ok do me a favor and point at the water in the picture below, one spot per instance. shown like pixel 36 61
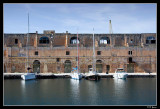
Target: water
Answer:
pixel 107 91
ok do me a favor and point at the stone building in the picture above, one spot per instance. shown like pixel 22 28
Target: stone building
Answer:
pixel 57 52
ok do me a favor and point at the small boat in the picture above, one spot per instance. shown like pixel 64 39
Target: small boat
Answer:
pixel 28 76
pixel 75 74
pixel 120 74
pixel 92 75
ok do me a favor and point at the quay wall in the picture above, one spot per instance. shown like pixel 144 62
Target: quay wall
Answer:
pixel 52 75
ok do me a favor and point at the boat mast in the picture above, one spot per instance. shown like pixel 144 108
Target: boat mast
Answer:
pixel 94 57
pixel 77 54
pixel 27 45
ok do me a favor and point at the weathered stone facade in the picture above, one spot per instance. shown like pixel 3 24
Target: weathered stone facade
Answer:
pixel 47 52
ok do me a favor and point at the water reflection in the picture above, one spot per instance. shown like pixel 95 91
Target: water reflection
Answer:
pixel 120 91
pixel 93 92
pixel 25 87
pixel 24 83
pixel 75 93
pixel 132 91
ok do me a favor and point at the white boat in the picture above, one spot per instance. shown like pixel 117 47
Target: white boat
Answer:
pixel 28 76
pixel 76 75
pixel 75 72
pixel 120 74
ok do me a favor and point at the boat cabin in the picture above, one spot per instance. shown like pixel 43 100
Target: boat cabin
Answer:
pixel 119 70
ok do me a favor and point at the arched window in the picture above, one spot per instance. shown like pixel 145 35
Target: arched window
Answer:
pixel 44 40
pixel 73 40
pixel 150 40
pixel 104 40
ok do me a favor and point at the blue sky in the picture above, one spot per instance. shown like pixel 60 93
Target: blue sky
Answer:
pixel 126 18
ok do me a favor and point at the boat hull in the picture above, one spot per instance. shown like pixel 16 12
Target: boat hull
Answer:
pixel 120 75
pixel 93 77
pixel 76 76
pixel 28 76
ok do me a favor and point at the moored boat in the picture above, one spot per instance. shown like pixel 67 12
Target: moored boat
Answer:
pixel 76 75
pixel 120 74
pixel 92 75
pixel 28 76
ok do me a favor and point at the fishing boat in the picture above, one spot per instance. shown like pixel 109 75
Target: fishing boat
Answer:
pixel 75 72
pixel 120 74
pixel 28 75
pixel 92 74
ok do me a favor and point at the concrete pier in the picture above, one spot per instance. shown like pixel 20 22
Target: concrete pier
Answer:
pixel 67 75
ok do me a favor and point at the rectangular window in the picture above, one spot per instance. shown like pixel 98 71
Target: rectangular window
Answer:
pixel 98 52
pixel 58 59
pixel 16 41
pixel 36 52
pixel 67 52
pixel 130 52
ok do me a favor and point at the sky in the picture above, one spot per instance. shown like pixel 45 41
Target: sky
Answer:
pixel 81 18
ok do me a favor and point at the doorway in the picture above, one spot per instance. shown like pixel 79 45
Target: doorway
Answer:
pixel 36 66
pixel 130 68
pixel 107 69
pixel 67 66
pixel 99 66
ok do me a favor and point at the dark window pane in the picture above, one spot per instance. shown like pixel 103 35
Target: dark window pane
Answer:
pixel 98 52
pixel 44 40
pixel 67 52
pixel 153 41
pixel 58 59
pixel 16 41
pixel 36 52
pixel 147 41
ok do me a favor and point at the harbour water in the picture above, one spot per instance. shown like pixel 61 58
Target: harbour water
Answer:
pixel 107 91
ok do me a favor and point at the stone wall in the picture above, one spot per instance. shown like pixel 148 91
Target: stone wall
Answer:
pixel 115 54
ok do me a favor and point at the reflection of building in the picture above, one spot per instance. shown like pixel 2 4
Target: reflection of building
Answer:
pixel 56 52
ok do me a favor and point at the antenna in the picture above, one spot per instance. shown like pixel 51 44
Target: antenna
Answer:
pixel 110 27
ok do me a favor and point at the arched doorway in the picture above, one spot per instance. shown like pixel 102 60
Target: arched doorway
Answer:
pixel 99 66
pixel 36 66
pixel 67 66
